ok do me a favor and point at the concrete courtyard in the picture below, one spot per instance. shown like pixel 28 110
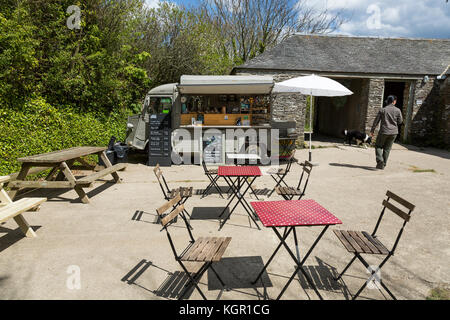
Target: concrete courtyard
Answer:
pixel 116 251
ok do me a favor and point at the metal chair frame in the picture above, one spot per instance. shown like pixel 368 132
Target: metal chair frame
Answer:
pixel 213 178
pixel 166 192
pixel 373 239
pixel 279 177
pixel 307 168
pixel 166 220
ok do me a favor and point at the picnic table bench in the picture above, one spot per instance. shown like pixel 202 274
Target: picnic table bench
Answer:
pixel 14 210
pixel 61 164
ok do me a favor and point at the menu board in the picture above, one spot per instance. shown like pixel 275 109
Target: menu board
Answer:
pixel 159 143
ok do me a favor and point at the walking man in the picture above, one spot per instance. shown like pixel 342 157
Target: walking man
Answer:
pixel 391 118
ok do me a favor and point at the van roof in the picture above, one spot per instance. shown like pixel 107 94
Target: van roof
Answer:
pixel 242 84
pixel 165 89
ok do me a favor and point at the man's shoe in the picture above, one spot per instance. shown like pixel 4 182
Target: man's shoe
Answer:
pixel 380 166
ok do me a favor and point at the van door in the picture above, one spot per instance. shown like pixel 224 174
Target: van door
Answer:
pixel 137 133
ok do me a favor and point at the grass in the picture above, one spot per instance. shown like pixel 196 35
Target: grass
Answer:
pixel 439 294
pixel 424 170
pixel 419 170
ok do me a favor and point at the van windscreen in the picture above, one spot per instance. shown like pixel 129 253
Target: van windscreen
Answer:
pixel 160 105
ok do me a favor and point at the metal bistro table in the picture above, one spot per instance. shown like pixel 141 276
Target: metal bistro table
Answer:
pixel 289 214
pixel 241 174
pixel 243 157
pixel 61 164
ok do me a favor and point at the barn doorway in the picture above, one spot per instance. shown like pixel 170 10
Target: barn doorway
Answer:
pixel 335 114
pixel 396 88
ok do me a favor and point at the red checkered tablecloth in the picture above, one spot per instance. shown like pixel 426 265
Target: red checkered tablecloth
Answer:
pixel 286 213
pixel 239 171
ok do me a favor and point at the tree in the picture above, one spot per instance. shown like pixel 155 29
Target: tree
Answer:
pixel 181 41
pixel 18 60
pixel 94 68
pixel 252 26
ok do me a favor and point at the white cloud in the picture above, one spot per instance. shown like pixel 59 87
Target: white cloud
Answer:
pixel 402 18
pixel 152 3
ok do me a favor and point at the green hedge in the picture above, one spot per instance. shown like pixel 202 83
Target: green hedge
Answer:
pixel 39 127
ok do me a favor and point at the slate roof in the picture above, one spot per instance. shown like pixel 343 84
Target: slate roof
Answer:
pixel 354 55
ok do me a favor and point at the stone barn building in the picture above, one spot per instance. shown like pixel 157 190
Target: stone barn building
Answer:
pixel 415 70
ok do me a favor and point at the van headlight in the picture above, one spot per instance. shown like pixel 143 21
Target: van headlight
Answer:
pixel 130 126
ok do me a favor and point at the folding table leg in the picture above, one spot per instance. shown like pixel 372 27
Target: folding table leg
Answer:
pixel 253 191
pixel 296 245
pixel 216 185
pixel 235 189
pixel 205 192
pixel 300 264
pixel 213 183
pixel 241 200
pixel 232 189
pixel 249 209
pixel 285 235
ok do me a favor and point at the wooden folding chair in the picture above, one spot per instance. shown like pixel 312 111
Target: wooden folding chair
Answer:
pixel 361 242
pixel 213 176
pixel 279 174
pixel 289 193
pixel 206 250
pixel 184 192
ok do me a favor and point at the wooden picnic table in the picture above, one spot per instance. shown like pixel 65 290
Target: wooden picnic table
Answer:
pixel 61 164
pixel 14 209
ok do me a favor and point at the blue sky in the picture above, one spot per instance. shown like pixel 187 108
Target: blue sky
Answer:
pixel 385 18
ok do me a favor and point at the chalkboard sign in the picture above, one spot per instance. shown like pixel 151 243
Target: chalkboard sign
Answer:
pixel 159 143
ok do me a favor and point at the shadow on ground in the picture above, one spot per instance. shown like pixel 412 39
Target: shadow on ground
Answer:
pixel 237 273
pixel 323 277
pixel 55 195
pixel 346 165
pixel 209 213
pixel 12 236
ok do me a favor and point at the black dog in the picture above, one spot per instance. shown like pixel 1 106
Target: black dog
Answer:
pixel 359 137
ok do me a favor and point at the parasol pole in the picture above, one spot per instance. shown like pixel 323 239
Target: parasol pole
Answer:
pixel 310 125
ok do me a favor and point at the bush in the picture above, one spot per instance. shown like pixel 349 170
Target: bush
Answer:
pixel 39 127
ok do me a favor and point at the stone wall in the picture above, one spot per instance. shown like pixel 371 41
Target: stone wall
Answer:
pixel 444 126
pixel 424 114
pixel 375 92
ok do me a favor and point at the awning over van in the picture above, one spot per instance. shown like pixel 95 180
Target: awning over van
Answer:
pixel 225 85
